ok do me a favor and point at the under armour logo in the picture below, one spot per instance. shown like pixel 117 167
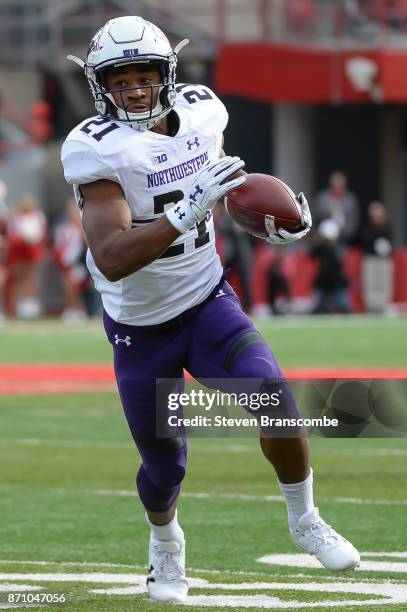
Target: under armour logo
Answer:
pixel 192 196
pixel 180 214
pixel 191 143
pixel 126 340
pixel 220 293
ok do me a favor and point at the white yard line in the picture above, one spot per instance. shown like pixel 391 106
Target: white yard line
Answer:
pixel 310 563
pixel 136 566
pixel 226 496
pixel 257 498
pixel 307 561
pixel 66 443
pixel 237 448
pixel 134 584
pixel 195 443
pixel 379 593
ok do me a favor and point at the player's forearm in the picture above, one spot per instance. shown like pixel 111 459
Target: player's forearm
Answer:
pixel 131 250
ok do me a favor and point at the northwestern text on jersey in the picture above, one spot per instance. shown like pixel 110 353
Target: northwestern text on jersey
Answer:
pixel 178 172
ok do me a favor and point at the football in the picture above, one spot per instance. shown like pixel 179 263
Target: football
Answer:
pixel 263 195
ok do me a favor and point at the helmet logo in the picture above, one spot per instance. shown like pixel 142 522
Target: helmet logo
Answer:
pixel 130 52
pixel 95 42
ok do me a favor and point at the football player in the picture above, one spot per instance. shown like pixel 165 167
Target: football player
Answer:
pixel 147 171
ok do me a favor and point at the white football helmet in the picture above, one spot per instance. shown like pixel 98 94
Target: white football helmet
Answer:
pixel 128 40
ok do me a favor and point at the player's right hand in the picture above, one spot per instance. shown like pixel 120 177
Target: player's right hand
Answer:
pixel 283 236
pixel 210 184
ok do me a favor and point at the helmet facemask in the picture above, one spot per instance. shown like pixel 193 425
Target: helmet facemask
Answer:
pixel 161 102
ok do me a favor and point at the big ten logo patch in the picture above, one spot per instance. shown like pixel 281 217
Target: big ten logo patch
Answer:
pixel 159 159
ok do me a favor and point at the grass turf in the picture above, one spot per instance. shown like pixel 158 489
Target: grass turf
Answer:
pixel 65 458
pixel 298 341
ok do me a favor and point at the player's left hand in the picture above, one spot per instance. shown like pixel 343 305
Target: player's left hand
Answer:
pixel 282 236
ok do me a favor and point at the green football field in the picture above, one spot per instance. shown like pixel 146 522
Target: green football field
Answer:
pixel 72 525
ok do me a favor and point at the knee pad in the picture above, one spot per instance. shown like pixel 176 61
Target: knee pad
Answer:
pixel 149 443
pixel 251 357
pixel 251 361
pixel 251 338
pixel 164 460
pixel 153 498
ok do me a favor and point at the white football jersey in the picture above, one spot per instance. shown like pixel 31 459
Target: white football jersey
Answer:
pixel 155 172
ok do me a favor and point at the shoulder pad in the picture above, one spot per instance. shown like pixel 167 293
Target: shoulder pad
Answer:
pixel 201 102
pixel 82 163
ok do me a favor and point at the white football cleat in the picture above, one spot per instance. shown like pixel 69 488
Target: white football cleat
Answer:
pixel 317 538
pixel 166 580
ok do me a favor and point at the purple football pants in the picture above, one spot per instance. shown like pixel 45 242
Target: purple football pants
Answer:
pixel 214 340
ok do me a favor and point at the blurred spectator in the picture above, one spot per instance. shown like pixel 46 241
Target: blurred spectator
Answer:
pixel 275 19
pixel 340 205
pixel 26 235
pixel 278 288
pixel 300 15
pixel 34 127
pixel 3 239
pixel 237 252
pixel 375 236
pixel 360 18
pixel 330 283
pixel 3 142
pixel 377 268
pixel 39 127
pixel 397 14
pixel 69 253
pixel 55 98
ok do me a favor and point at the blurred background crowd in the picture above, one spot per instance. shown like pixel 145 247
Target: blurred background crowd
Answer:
pixel 316 91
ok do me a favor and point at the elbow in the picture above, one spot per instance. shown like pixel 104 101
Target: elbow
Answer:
pixel 110 269
pixel 108 261
pixel 115 263
pixel 115 271
pixel 112 276
pixel 112 273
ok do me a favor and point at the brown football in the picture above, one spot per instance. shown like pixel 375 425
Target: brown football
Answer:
pixel 263 195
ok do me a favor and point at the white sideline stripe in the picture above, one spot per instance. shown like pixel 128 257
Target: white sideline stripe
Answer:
pixel 143 567
pixel 10 588
pixel 237 448
pixel 68 443
pixel 263 601
pixel 213 571
pixel 227 496
pixel 138 580
pixel 18 606
pixel 369 502
pixel 307 561
pixel 397 555
pixel 389 451
pixel 228 447
pixel 255 498
pixel 100 577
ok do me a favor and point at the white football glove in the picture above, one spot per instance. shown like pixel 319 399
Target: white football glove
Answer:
pixel 282 236
pixel 210 184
